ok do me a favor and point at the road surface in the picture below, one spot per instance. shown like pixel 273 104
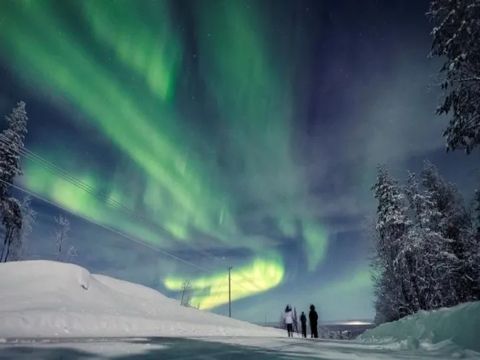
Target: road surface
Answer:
pixel 217 348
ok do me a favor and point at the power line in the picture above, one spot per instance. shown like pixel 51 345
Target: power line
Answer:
pixel 118 232
pixel 69 178
pixel 53 168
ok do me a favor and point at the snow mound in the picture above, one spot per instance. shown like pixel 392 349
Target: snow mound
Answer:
pixel 53 299
pixel 459 325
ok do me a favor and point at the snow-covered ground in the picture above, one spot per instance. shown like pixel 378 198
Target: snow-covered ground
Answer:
pixel 52 299
pixel 51 310
pixel 458 325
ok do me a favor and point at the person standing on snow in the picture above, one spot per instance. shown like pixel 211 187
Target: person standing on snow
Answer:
pixel 288 316
pixel 303 320
pixel 313 317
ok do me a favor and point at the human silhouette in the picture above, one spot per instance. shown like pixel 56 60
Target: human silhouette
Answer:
pixel 303 321
pixel 289 320
pixel 313 317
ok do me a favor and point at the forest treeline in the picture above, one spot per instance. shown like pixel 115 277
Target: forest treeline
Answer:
pixel 427 245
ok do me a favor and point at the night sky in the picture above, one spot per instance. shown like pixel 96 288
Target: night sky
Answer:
pixel 196 135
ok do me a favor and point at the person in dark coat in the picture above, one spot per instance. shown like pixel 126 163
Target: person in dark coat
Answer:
pixel 313 317
pixel 303 320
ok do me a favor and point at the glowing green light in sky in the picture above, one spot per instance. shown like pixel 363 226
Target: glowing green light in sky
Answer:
pixel 148 137
pixel 121 66
pixel 211 291
pixel 73 198
pixel 153 55
pixel 316 244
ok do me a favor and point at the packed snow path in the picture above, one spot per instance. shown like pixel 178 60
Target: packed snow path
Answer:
pixel 219 348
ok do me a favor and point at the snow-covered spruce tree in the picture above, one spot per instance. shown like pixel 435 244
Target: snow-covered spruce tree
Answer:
pixel 429 250
pixel 72 253
pixel 392 288
pixel 19 248
pixel 186 296
pixel 455 39
pixel 455 227
pixel 476 240
pixel 61 235
pixel 11 144
pixel 12 221
pixel 476 213
pixel 414 248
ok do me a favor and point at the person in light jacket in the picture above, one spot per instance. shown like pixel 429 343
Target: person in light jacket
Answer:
pixel 288 316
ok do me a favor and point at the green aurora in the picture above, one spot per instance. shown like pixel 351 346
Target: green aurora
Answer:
pixel 211 291
pixel 185 137
pixel 123 66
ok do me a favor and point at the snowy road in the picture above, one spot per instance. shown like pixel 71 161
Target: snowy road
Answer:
pixel 218 348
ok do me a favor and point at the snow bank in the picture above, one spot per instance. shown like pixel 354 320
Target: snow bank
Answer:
pixel 52 299
pixel 459 325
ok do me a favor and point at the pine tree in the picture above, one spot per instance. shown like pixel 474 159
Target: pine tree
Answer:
pixel 19 248
pixel 477 213
pixel 476 243
pixel 11 145
pixel 427 249
pixel 61 235
pixel 455 227
pixel 72 253
pixel 432 259
pixel 414 248
pixel 455 38
pixel 186 296
pixel 12 220
pixel 393 294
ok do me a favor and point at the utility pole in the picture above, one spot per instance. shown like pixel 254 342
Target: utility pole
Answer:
pixel 229 291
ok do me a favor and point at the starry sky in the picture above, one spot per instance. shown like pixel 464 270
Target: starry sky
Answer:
pixel 184 137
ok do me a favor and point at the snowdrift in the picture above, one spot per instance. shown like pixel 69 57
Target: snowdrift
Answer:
pixel 459 325
pixel 53 299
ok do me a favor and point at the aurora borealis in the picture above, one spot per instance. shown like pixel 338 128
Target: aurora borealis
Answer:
pixel 226 133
